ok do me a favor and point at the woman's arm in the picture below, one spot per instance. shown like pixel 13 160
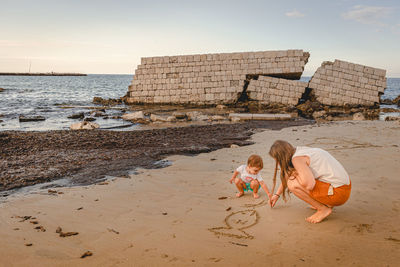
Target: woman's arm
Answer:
pixel 304 175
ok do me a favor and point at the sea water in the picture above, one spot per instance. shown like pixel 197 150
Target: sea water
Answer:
pixel 47 96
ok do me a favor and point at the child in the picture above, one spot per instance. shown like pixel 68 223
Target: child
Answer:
pixel 250 179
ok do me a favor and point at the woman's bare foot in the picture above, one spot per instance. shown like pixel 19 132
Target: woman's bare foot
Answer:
pixel 239 194
pixel 319 215
pixel 255 195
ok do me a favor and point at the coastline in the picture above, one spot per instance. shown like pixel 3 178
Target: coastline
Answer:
pixel 174 216
pixel 40 74
pixel 85 157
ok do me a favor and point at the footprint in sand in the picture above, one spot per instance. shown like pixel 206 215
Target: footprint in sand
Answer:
pixel 259 204
pixel 363 227
pixel 236 222
pixel 215 259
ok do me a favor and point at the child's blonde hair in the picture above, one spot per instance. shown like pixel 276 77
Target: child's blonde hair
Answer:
pixel 255 161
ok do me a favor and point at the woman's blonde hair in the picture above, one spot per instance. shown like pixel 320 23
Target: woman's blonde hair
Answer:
pixel 282 152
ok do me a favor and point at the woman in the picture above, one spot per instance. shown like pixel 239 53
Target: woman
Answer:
pixel 313 175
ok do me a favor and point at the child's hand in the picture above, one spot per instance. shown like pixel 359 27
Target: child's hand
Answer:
pixel 231 180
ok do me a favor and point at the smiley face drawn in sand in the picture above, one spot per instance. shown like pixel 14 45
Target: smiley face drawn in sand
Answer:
pixel 236 222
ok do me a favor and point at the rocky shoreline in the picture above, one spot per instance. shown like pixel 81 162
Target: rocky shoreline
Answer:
pixel 84 157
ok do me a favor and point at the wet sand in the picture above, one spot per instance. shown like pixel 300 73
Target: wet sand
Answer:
pixel 84 157
pixel 187 215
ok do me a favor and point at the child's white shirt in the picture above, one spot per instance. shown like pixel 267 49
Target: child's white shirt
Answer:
pixel 247 177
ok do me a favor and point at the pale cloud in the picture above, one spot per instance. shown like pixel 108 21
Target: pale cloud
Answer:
pixel 58 43
pixel 396 28
pixel 14 43
pixel 294 14
pixel 372 15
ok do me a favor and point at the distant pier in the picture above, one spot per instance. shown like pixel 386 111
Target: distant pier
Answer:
pixel 40 74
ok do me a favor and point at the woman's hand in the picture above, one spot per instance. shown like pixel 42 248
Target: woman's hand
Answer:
pixel 273 200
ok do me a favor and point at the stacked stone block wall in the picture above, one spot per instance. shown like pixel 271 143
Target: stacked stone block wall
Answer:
pixel 270 90
pixel 208 78
pixel 338 83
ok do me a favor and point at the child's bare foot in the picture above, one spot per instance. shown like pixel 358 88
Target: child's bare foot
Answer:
pixel 319 215
pixel 239 194
pixel 312 207
pixel 255 195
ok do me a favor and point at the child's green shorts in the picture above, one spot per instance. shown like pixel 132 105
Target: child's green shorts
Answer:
pixel 249 188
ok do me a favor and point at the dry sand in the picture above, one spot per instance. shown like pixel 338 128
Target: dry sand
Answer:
pixel 173 216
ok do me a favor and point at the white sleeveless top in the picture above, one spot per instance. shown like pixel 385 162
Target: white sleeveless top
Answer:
pixel 324 166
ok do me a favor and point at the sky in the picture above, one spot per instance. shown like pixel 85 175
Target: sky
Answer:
pixel 110 37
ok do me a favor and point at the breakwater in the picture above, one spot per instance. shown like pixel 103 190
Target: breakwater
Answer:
pixel 40 74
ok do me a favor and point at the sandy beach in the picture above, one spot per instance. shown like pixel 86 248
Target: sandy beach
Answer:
pixel 187 214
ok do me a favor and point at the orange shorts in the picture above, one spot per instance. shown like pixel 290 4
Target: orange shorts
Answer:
pixel 340 194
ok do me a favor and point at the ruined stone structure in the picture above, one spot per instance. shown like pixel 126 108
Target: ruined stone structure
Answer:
pixel 270 90
pixel 338 83
pixel 267 76
pixel 209 78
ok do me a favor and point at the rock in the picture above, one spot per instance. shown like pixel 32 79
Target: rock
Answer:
pixel 62 234
pixel 31 118
pixel 235 119
pixel 154 117
pixel 40 228
pixel 79 115
pixel 358 117
pixel 89 119
pixel 329 118
pixel 171 119
pixel 86 254
pixel 308 108
pixel 386 101
pixel 84 125
pixel 217 118
pixel 392 118
pixel 192 115
pixel 221 107
pixel 203 118
pixel 98 113
pixel 107 102
pixel 386 110
pixel 135 116
pixel 319 114
pixel 397 101
pixel 197 116
pixel 179 115
pixel 234 146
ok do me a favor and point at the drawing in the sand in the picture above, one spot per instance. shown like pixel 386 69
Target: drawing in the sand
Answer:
pixel 236 223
